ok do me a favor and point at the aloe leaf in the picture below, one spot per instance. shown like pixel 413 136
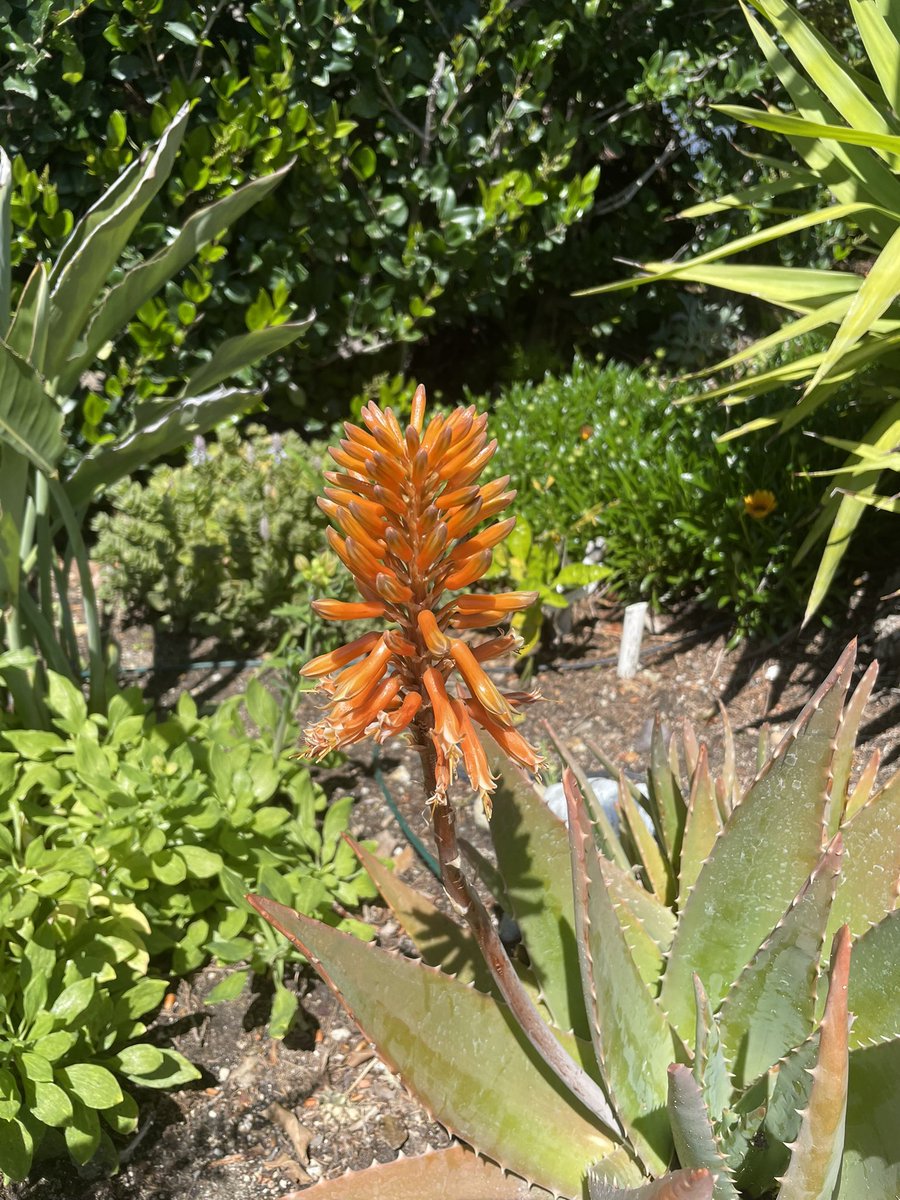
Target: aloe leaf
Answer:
pixel 121 302
pixel 868 889
pixel 846 745
pixel 771 1006
pixel 532 849
pixel 606 836
pixel 732 909
pixel 789 1083
pixel 438 938
pixel 862 790
pixel 666 801
pixel 457 1050
pixel 728 797
pixel 632 1039
pixel 695 1141
pixel 30 422
pixel 656 870
pixel 677 1185
pixel 648 956
pixel 161 429
pixel 871 1165
pixel 648 911
pixel 816 1153
pixel 85 261
pixel 701 829
pixel 875 984
pixel 486 873
pixel 455 1172
pixel 710 1069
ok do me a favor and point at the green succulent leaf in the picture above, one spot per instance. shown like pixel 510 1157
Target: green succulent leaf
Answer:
pixel 678 1185
pixel 486 1086
pixel 731 910
pixel 701 829
pixel 871 1163
pixel 695 1140
pixel 875 983
pixel 665 799
pixel 710 1068
pixel 657 870
pixel 846 745
pixel 868 888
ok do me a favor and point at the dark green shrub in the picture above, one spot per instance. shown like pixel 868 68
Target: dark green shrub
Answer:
pixel 604 453
pixel 218 544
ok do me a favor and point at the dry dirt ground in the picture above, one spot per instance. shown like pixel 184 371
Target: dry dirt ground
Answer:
pixel 269 1118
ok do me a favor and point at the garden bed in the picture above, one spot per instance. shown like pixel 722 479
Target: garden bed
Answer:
pixel 268 1117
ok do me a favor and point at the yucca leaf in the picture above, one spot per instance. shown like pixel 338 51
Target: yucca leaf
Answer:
pixel 695 1141
pixel 30 421
pixel 771 1006
pixel 754 196
pixel 455 1172
pixel 701 830
pixel 656 869
pixel 441 941
pixel 730 909
pixel 816 1153
pixel 632 1039
pixel 881 47
pixel 875 983
pixel 710 1069
pixel 532 849
pixel 871 1163
pixel 457 1050
pixel 796 127
pixel 678 1185
pixel 869 887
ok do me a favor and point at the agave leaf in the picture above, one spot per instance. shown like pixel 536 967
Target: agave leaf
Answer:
pixel 728 798
pixel 710 1068
pixel 846 745
pixel 647 955
pixel 771 1006
pixel 871 1165
pixel 816 1153
pixel 862 791
pixel 789 1083
pixel 665 799
pixel 869 887
pixel 731 909
pixel 678 1185
pixel 650 913
pixel 695 1141
pixel 456 1173
pixel 606 836
pixel 875 983
pixel 631 1037
pixel 656 869
pixel 440 940
pixel 702 827
pixel 456 1049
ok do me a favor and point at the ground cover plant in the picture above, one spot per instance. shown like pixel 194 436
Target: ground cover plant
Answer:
pixel 840 118
pixel 677 1026
pixel 127 846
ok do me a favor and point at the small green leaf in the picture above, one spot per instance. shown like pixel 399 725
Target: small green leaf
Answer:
pixel 93 1085
pixel 228 988
pixel 10 1097
pixel 74 1000
pixel 49 1103
pixel 16 1149
pixel 83 1133
pixel 284 1008
pixel 200 862
pixel 139 1059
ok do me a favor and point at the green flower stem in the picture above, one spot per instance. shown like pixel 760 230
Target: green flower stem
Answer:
pixel 467 903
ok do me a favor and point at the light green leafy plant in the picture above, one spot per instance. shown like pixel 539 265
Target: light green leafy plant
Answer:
pixel 841 120
pixel 68 314
pixel 685 973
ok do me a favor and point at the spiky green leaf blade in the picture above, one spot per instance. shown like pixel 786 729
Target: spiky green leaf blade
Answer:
pixel 606 836
pixel 869 887
pixel 701 828
pixel 677 1185
pixel 657 871
pixel 532 849
pixel 695 1140
pixel 440 940
pixel 798 128
pixel 733 908
pixel 816 1153
pixel 6 189
pixel 788 1086
pixel 710 1069
pixel 648 911
pixel 632 1039
pixel 771 1006
pixel 862 790
pixel 750 197
pixel 871 1165
pixel 29 328
pixel 875 984
pixel 30 421
pixel 666 801
pixel 455 1172
pixel 455 1048
pixel 846 745
pixel 648 957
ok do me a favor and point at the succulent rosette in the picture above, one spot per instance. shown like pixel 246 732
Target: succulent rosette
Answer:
pixel 412 524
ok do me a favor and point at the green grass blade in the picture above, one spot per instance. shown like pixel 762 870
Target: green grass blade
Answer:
pixel 457 1050
pixel 777 828
pixel 875 983
pixel 695 1141
pixel 816 1153
pixel 703 826
pixel 772 1005
pixel 632 1039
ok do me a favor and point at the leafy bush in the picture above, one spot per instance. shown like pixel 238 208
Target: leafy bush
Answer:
pixel 218 544
pixel 127 845
pixel 603 452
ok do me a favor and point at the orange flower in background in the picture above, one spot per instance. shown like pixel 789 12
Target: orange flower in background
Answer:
pixel 406 511
pixel 760 504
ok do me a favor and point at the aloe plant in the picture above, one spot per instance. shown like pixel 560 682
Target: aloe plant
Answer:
pixel 701 976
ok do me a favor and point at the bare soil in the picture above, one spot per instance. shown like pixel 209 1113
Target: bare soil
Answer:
pixel 270 1118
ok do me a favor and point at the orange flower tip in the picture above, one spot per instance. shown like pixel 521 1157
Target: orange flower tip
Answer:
pixel 342 610
pixel 398 644
pixel 390 587
pixel 436 642
pixel 470 570
pixel 417 412
pixel 504 602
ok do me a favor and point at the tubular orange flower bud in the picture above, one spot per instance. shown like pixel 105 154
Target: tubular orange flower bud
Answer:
pixel 436 642
pixel 390 587
pixel 480 685
pixel 474 757
pixel 497 647
pixel 445 722
pixel 395 722
pixel 458 498
pixel 463 519
pixel 333 661
pixel 505 602
pixel 360 678
pixel 508 739
pixel 398 644
pixel 482 541
pixel 483 620
pixel 473 568
pixel 342 610
pixel 417 411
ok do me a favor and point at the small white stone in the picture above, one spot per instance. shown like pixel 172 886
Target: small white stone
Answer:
pixel 224 1072
pixel 340 1034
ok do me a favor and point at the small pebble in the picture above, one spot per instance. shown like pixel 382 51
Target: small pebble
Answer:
pixel 340 1034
